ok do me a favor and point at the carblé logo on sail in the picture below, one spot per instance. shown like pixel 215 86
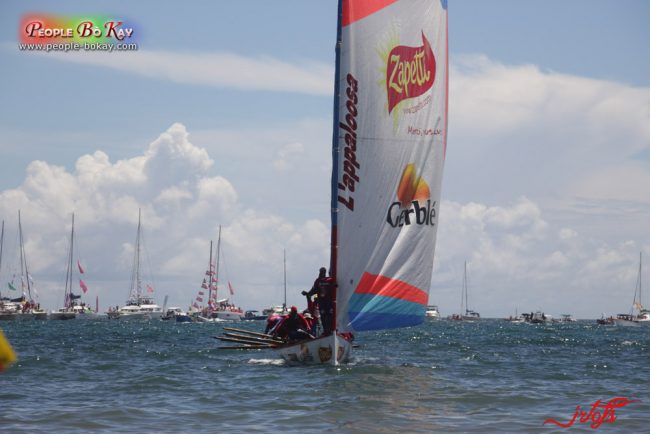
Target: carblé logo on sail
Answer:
pixel 410 72
pixel 412 192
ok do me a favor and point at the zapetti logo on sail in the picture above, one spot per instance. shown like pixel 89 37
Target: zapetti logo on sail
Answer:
pixel 411 208
pixel 410 72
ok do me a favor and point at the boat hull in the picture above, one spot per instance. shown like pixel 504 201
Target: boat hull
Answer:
pixel 137 316
pixel 62 315
pixel 317 351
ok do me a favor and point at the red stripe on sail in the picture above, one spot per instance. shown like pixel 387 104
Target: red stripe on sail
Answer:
pixel 355 10
pixel 386 287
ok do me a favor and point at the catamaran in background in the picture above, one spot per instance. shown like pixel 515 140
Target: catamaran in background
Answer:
pixel 140 304
pixel 73 307
pixel 25 306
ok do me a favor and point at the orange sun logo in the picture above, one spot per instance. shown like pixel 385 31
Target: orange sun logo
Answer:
pixel 412 187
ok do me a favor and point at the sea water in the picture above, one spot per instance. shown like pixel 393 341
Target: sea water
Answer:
pixel 490 376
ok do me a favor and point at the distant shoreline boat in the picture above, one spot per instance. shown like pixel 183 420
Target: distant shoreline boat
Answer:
pixel 468 315
pixel 23 307
pixel 216 310
pixel 72 309
pixel 432 311
pixel 643 315
pixel 139 304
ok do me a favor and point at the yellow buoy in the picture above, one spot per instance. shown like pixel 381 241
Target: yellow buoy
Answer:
pixel 7 355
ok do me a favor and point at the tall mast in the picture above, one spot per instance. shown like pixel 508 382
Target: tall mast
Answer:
pixel 135 291
pixel 216 288
pixel 465 286
pixel 284 305
pixel 335 161
pixel 68 277
pixel 137 262
pixel 210 273
pixel 638 303
pixel 24 271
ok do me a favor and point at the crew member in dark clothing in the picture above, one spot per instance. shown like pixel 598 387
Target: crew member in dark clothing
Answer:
pixel 293 326
pixel 324 288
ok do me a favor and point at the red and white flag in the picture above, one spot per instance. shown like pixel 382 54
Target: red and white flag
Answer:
pixel 81 269
pixel 83 286
pixel 149 288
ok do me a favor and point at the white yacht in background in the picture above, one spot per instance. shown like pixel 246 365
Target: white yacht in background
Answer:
pixel 432 312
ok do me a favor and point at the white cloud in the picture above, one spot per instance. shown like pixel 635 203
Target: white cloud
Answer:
pixel 183 204
pixel 223 70
pixel 287 155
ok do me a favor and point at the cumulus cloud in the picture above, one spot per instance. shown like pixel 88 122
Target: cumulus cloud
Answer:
pixel 183 205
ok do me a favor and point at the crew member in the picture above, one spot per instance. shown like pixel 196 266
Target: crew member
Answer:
pixel 293 326
pixel 324 288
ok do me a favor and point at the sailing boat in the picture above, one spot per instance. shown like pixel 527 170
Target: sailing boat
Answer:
pixel 389 141
pixel 25 306
pixel 468 315
pixel 72 308
pixel 7 306
pixel 218 309
pixel 643 316
pixel 277 309
pixel 198 310
pixel 140 304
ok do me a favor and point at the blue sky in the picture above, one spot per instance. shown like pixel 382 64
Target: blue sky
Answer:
pixel 545 190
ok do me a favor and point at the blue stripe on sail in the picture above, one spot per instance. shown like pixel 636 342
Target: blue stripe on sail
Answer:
pixel 371 312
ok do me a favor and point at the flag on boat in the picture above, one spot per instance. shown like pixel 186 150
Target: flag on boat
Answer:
pixel 204 285
pixel 149 288
pixel 83 286
pixel 232 291
pixel 389 147
pixel 11 286
pixel 199 299
pixel 81 269
pixel 201 293
pixel 195 304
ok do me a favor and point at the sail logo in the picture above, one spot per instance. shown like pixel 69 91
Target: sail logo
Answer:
pixel 410 72
pixel 413 203
pixel 348 132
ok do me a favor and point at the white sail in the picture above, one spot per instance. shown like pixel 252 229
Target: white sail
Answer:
pixel 390 130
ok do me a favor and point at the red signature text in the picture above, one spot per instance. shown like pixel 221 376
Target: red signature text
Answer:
pixel 599 413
